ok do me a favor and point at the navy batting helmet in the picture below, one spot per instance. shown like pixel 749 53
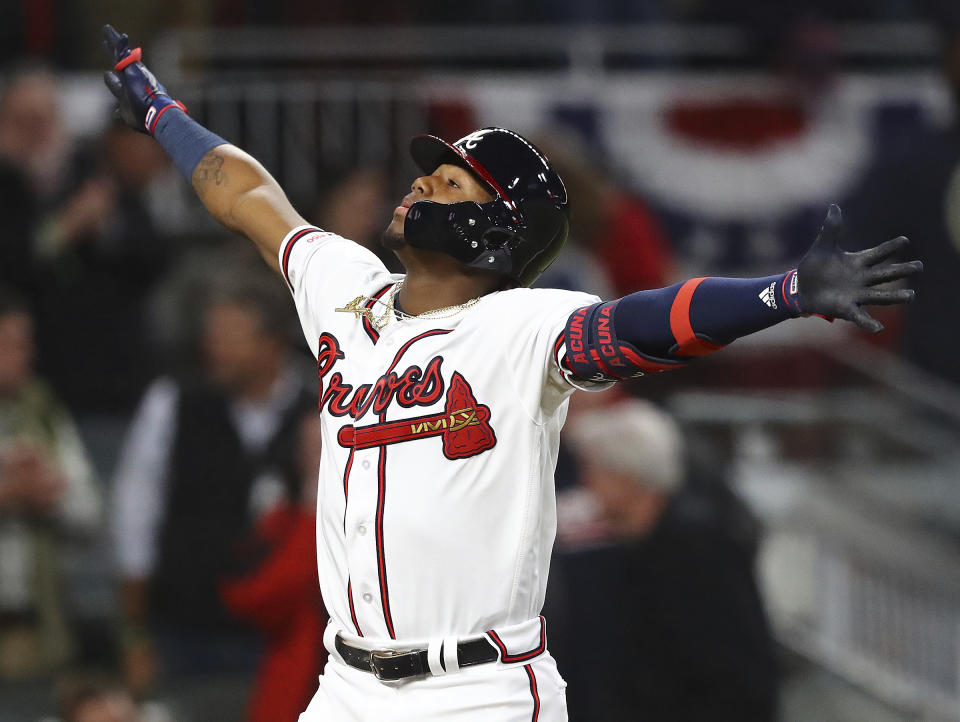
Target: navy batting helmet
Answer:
pixel 520 232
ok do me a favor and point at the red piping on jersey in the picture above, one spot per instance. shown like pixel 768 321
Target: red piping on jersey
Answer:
pixel 687 342
pixel 285 263
pixel 506 657
pixel 367 326
pixel 556 348
pixel 563 365
pixel 346 478
pixel 353 614
pixel 381 559
pixel 382 489
pixel 533 691
pixel 346 486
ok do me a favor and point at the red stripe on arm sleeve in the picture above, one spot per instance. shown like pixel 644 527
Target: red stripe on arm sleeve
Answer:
pixel 687 342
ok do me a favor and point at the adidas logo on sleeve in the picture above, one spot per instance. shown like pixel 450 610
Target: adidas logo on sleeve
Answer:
pixel 769 295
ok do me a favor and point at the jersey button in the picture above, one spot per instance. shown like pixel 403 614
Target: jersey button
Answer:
pixel 361 530
pixel 366 464
pixel 367 597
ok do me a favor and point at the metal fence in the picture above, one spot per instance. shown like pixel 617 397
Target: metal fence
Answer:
pixel 861 564
pixel 583 50
pixel 305 131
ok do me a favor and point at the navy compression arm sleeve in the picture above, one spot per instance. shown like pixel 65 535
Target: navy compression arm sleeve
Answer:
pixel 184 140
pixel 666 328
pixel 702 315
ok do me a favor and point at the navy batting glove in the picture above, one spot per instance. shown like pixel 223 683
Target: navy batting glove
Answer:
pixel 142 99
pixel 836 284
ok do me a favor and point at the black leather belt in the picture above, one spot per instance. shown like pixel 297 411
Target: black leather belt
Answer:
pixel 388 665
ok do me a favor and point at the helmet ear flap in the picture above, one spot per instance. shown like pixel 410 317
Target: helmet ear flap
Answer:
pixel 546 228
pixel 497 244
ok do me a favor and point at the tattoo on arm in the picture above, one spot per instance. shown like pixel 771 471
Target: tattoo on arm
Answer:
pixel 209 170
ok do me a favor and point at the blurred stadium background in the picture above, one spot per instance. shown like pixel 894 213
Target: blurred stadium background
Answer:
pixel 731 125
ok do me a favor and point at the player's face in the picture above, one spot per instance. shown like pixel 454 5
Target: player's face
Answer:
pixel 447 184
pixel 16 351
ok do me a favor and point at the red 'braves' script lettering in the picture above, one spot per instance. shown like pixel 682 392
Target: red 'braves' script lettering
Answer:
pixel 413 387
pixel 328 353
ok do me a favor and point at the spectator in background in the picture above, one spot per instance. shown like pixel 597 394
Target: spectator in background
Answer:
pixel 689 639
pixel 32 133
pixel 48 496
pixel 98 256
pixel 91 250
pixel 34 161
pixel 206 456
pixel 913 189
pixel 610 225
pixel 281 595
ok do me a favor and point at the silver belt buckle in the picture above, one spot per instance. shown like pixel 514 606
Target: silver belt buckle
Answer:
pixel 382 654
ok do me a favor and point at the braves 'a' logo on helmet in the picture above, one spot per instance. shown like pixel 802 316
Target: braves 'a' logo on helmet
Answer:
pixel 471 141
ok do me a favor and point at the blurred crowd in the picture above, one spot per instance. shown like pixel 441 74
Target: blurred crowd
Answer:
pixel 158 436
pixel 157 439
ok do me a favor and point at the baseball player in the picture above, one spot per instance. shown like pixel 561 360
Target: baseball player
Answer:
pixel 443 391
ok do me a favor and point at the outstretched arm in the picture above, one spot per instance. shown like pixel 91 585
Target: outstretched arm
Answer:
pixel 244 197
pixel 669 327
pixel 236 190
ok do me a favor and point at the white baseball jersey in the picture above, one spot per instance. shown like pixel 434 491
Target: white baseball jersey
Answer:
pixel 436 511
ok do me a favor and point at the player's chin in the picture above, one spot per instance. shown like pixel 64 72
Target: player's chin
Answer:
pixel 392 238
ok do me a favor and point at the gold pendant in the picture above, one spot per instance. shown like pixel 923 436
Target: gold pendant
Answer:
pixel 357 309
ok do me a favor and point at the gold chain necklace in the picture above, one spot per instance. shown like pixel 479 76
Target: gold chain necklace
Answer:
pixel 445 312
pixel 379 321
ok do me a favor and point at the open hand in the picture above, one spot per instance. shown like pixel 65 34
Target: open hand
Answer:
pixel 836 284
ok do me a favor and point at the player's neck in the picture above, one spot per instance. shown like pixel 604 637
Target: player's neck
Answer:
pixel 430 286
